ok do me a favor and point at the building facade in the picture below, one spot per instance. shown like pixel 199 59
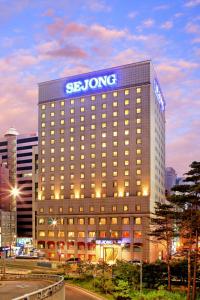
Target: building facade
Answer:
pixel 101 163
pixel 16 153
pixel 170 179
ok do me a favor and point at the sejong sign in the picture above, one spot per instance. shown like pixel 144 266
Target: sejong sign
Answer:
pixel 92 83
pixel 159 95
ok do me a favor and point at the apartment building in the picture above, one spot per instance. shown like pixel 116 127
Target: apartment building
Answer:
pixel 101 163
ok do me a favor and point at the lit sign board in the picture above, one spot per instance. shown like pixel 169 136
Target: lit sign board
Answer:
pixel 159 95
pixel 108 242
pixel 92 83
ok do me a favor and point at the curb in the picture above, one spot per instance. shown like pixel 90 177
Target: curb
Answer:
pixel 97 296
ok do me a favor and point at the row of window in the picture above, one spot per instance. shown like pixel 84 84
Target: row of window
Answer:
pixel 90 234
pixel 93 98
pixel 90 221
pixel 91 209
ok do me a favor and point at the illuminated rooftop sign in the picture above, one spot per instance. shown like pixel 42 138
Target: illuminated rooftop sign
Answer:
pixel 92 83
pixel 159 94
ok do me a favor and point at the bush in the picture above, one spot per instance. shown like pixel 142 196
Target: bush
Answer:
pixel 122 290
pixel 158 295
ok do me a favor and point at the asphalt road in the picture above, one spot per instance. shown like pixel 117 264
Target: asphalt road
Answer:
pixel 73 293
pixel 13 289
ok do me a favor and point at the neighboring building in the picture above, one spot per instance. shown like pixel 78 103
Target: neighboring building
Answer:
pixel 170 179
pixel 34 192
pixel 16 152
pixel 101 163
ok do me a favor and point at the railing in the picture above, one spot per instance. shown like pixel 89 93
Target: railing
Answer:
pixel 41 293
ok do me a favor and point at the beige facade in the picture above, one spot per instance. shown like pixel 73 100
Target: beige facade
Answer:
pixel 101 165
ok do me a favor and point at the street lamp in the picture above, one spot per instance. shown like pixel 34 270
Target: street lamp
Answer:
pixel 15 191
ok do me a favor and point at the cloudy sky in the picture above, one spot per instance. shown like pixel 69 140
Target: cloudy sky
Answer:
pixel 48 39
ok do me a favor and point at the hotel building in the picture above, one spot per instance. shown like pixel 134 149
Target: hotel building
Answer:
pixel 101 163
pixel 16 152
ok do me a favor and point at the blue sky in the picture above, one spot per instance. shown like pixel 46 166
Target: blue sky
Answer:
pixel 42 40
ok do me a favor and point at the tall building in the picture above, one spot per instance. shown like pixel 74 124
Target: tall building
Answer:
pixel 101 163
pixel 170 179
pixel 16 153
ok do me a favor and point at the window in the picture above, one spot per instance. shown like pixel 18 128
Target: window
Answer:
pixel 41 221
pixel 115 114
pixel 114 163
pixel 126 142
pixel 104 105
pixel 125 221
pixel 93 98
pixel 62 103
pixel 91 208
pixel 138 161
pixel 138 221
pixel 125 234
pixel 138 130
pixel 91 221
pixel 115 153
pixel 138 121
pixel 126 92
pixel 61 233
pixel 81 221
pixel 70 209
pixel 62 122
pixel 102 208
pixel 93 107
pixel 126 102
pixel 138 100
pixel 115 104
pixel 91 234
pixel 43 106
pixel 138 182
pixel 81 234
pixel 103 154
pixel 115 94
pixel 138 90
pixel 72 101
pixel 126 183
pixel 137 234
pixel 126 122
pixel 71 234
pixel 103 116
pixel 126 172
pixel 126 152
pixel 82 109
pixel 113 221
pixel 114 173
pixel 81 209
pixel 125 207
pixel 126 112
pixel 103 96
pixel 114 208
pixel 52 104
pixel 114 234
pixel 137 207
pixel 82 118
pixel 138 151
pixel 41 233
pixel 103 125
pixel 51 233
pixel 138 110
pixel 102 234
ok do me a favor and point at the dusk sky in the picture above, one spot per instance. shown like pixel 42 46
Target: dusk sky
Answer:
pixel 44 40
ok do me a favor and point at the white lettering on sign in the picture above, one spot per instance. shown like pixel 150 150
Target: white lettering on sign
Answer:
pixel 159 95
pixel 91 84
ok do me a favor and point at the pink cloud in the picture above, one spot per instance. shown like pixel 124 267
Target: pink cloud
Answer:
pixel 68 51
pixel 192 3
pixel 167 25
pixel 192 28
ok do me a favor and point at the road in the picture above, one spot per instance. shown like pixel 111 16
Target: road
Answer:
pixel 13 289
pixel 73 293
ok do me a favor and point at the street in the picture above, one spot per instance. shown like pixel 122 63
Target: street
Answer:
pixel 73 293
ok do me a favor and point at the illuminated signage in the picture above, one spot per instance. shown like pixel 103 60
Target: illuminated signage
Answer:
pixel 159 95
pixel 92 83
pixel 108 242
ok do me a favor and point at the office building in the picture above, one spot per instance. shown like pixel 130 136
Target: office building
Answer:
pixel 170 179
pixel 16 153
pixel 101 163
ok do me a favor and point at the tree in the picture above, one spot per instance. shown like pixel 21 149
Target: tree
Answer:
pixel 163 229
pixel 187 200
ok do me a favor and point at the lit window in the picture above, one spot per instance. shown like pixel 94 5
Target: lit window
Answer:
pixel 102 208
pixel 103 174
pixel 82 109
pixel 52 104
pixel 138 100
pixel 126 142
pixel 82 118
pixel 62 130
pixel 102 234
pixel 138 121
pixel 104 106
pixel 125 207
pixel 103 96
pixel 82 128
pixel 91 234
pixel 41 233
pixel 72 176
pixel 91 208
pixel 138 110
pixel 82 175
pixel 126 92
pixel 62 122
pixel 52 187
pixel 114 163
pixel 103 125
pixel 93 126
pixel 138 162
pixel 81 209
pixel 62 149
pixel 115 195
pixel 126 112
pixel 81 221
pixel 62 168
pixel 43 116
pixel 62 187
pixel 138 151
pixel 114 234
pixel 52 141
pixel 52 159
pixel 93 117
pixel 72 111
pixel 114 133
pixel 103 116
pixel 71 234
pixel 138 172
pixel 126 102
pixel 62 158
pixel 126 172
pixel 126 152
pixel 82 156
pixel 126 221
pixel 126 183
pixel 82 100
pixel 138 90
pixel 138 182
pixel 62 112
pixel 93 98
pixel 114 208
pixel 138 221
pixel 137 207
pixel 82 147
pixel 72 167
pixel 138 130
pixel 62 177
pixel 115 173
pixel 125 234
pixel 43 133
pixel 115 124
pixel 115 153
pixel 115 94
pixel 93 185
pixel 126 132
pixel 91 221
pixel 62 103
pixel 138 141
pixel 126 122
pixel 72 101
pixel 43 125
pixel 115 104
pixel 43 106
pixel 52 177
pixel 93 155
pixel 71 148
pixel 115 114
pixel 103 154
pixel 82 185
pixel 126 163
pixel 82 166
pixel 71 138
pixel 93 107
pixel 71 120
pixel 102 221
pixel 103 164
pixel 103 145
pixel 113 221
pixel 93 146
pixel 103 184
pixel 103 134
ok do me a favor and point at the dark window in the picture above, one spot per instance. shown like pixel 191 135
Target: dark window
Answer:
pixel 3 150
pixel 25 161
pixel 24 147
pixel 4 156
pixel 24 168
pixel 24 181
pixel 5 143
pixel 24 154
pixel 23 209
pixel 27 140
pixel 24 216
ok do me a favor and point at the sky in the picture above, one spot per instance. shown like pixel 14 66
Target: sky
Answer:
pixel 46 39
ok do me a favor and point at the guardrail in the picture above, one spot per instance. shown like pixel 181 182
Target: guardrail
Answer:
pixel 41 293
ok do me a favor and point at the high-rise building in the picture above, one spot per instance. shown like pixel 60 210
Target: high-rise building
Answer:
pixel 101 163
pixel 16 153
pixel 170 179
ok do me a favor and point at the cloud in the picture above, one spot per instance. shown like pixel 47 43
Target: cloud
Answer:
pixel 132 14
pixel 148 23
pixel 68 51
pixel 167 25
pixel 192 3
pixel 98 6
pixel 162 7
pixel 192 28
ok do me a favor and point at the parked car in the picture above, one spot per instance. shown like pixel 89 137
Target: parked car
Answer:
pixel 73 260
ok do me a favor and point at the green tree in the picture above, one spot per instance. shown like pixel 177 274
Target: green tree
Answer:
pixel 122 290
pixel 163 229
pixel 186 197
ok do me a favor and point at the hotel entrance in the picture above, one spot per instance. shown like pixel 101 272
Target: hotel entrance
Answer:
pixel 111 253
